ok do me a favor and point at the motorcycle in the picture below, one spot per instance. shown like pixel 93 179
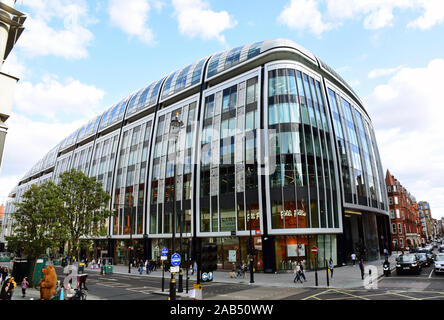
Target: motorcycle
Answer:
pixel 386 268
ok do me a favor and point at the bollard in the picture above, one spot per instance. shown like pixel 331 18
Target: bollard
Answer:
pixel 188 278
pixel 328 281
pixel 316 278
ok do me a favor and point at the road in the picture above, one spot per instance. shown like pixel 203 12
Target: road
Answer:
pixel 426 286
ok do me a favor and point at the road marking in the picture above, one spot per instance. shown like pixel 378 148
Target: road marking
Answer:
pixel 431 297
pixel 115 285
pixel 315 295
pixel 352 295
pixel 430 275
pixel 401 295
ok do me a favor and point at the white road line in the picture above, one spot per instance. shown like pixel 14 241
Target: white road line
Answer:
pixel 430 275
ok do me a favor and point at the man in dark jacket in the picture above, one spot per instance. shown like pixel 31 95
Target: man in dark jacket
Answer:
pixel 361 267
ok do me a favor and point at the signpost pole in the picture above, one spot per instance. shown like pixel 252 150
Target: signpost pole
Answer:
pixel 314 251
pixel 163 276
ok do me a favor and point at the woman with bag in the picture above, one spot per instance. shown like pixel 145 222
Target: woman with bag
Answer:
pixel 297 273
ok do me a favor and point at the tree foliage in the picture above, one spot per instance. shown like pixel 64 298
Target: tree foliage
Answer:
pixel 84 208
pixel 50 215
pixel 37 220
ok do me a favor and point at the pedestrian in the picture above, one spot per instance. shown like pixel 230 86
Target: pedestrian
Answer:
pixel 239 269
pixel 386 253
pixel 330 267
pixel 301 270
pixel 147 266
pixel 361 267
pixel 244 269
pixel 140 267
pixel 5 293
pixel 4 274
pixel 297 273
pixel 195 267
pixel 25 285
pixel 353 256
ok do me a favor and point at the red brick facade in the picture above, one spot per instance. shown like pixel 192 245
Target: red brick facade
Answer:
pixel 405 224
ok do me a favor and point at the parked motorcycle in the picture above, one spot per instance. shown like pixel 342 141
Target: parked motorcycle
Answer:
pixel 386 268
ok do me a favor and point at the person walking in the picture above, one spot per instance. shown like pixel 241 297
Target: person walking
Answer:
pixel 361 267
pixel 301 270
pixel 297 273
pixel 147 266
pixel 331 267
pixel 25 285
pixel 239 269
pixel 244 269
pixel 353 256
pixel 194 267
pixel 5 293
pixel 140 267
pixel 4 272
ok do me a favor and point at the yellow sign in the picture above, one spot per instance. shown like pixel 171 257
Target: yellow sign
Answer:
pixel 197 286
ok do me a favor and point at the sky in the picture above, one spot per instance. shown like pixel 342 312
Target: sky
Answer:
pixel 76 58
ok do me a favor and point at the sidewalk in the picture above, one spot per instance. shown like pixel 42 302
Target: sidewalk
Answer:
pixel 345 277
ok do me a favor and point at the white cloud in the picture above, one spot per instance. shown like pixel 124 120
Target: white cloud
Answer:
pixel 41 38
pixel 407 114
pixel 433 14
pixel 27 141
pixel 54 99
pixel 375 14
pixel 304 14
pixel 195 18
pixel 132 16
pixel 376 73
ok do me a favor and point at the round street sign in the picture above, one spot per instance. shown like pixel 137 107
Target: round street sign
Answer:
pixel 314 250
pixel 204 276
pixel 164 251
pixel 175 259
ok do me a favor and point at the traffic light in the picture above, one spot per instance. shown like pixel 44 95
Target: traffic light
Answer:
pixel 209 257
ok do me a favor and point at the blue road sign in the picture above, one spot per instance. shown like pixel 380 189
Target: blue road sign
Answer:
pixel 164 251
pixel 210 276
pixel 204 276
pixel 175 259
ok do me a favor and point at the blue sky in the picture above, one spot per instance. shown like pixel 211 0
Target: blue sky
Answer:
pixel 76 58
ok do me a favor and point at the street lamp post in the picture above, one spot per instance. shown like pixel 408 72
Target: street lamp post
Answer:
pixel 176 124
pixel 250 239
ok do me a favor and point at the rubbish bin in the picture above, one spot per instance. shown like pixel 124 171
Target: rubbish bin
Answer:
pixel 109 270
pixel 81 267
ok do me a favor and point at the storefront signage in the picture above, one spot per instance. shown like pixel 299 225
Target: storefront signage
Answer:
pixel 294 213
pixel 296 250
pixel 232 255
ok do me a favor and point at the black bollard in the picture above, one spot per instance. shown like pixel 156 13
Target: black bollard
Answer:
pixel 316 278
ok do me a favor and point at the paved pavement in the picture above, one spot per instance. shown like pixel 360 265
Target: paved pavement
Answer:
pixel 344 277
pixel 348 276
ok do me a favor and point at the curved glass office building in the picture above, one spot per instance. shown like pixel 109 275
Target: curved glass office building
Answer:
pixel 273 144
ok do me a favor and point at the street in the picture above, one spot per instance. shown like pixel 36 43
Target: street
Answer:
pixel 117 286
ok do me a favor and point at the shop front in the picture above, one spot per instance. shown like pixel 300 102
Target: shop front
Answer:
pixel 290 249
pixel 234 250
pixel 125 249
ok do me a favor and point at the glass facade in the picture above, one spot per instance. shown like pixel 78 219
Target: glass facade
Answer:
pixel 294 111
pixel 302 189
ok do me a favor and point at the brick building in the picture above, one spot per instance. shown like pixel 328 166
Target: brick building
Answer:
pixel 406 228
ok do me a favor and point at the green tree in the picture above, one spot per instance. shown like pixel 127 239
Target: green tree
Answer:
pixel 84 209
pixel 36 221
